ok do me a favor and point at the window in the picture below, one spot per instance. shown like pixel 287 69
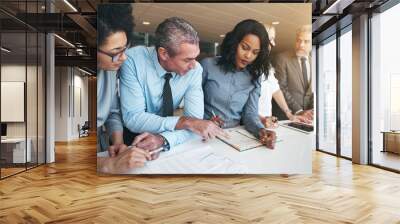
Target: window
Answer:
pixel 346 93
pixel 327 96
pixel 385 86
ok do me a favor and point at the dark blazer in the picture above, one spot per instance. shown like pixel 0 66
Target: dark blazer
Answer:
pixel 292 84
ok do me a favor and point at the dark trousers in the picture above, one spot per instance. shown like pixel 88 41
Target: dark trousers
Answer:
pixel 129 136
pixel 277 112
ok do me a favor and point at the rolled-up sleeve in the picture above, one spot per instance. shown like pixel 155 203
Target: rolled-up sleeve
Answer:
pixel 133 104
pixel 251 119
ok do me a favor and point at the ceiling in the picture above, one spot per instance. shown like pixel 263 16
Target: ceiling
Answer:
pixel 214 19
pixel 209 19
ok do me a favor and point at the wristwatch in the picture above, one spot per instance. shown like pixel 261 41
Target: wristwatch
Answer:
pixel 165 146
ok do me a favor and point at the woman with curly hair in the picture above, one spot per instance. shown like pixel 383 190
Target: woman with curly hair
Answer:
pixel 231 82
pixel 114 29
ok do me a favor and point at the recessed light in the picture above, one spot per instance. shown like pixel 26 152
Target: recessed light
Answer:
pixel 222 35
pixel 84 71
pixel 146 23
pixel 275 22
pixel 64 40
pixel 5 50
pixel 70 5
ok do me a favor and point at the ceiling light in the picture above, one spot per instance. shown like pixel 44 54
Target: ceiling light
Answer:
pixel 84 71
pixel 70 5
pixel 275 22
pixel 146 23
pixel 64 40
pixel 337 7
pixel 222 35
pixel 5 50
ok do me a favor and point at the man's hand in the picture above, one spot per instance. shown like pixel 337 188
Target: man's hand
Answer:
pixel 307 114
pixel 268 138
pixel 148 141
pixel 113 150
pixel 205 128
pixel 300 118
pixel 126 159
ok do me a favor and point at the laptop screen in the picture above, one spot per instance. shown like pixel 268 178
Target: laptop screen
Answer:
pixel 3 129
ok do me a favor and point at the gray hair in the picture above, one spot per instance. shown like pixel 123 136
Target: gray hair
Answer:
pixel 304 29
pixel 174 31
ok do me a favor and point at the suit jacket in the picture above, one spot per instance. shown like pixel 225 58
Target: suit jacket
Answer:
pixel 292 84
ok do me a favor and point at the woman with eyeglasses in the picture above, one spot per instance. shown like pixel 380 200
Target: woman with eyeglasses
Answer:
pixel 114 28
pixel 231 82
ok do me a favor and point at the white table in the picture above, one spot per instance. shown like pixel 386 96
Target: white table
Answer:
pixel 292 155
pixel 18 149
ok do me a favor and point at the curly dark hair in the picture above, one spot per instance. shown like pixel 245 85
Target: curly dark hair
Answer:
pixel 113 18
pixel 229 46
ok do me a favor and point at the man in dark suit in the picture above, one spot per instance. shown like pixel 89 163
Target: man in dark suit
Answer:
pixel 293 71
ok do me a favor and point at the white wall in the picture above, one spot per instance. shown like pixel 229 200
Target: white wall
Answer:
pixel 33 127
pixel 70 83
pixel 12 73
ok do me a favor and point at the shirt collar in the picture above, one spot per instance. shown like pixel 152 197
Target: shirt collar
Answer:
pixel 159 69
pixel 299 57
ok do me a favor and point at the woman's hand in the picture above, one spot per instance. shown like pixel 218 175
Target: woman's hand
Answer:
pixel 217 120
pixel 269 122
pixel 267 138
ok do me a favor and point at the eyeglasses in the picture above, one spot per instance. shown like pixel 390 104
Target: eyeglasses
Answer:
pixel 115 56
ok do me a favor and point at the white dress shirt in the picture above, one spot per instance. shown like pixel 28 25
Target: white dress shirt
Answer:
pixel 268 87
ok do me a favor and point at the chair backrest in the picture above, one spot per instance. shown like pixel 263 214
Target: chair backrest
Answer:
pixel 86 125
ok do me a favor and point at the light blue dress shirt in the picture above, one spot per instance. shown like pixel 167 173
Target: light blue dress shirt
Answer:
pixel 233 96
pixel 141 86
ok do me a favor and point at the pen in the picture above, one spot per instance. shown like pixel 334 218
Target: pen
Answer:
pixel 213 113
pixel 151 152
pixel 156 151
pixel 216 119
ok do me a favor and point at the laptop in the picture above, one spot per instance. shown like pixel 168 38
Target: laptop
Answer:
pixel 306 128
pixel 3 131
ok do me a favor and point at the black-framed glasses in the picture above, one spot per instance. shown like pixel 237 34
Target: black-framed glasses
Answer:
pixel 115 56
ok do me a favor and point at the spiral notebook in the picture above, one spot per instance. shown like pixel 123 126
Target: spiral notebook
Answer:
pixel 241 140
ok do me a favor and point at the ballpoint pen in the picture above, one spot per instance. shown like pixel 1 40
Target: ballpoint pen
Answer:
pixel 151 152
pixel 216 119
pixel 213 113
pixel 156 151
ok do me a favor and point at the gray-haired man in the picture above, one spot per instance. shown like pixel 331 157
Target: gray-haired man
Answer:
pixel 154 81
pixel 293 71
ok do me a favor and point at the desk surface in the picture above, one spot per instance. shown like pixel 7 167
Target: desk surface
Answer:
pixel 292 155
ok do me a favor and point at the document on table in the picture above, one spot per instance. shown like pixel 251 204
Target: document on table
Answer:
pixel 194 161
pixel 241 140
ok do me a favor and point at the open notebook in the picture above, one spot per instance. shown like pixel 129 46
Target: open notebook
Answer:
pixel 241 140
pixel 200 160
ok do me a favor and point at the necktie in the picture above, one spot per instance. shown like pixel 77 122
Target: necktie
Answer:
pixel 304 71
pixel 167 106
